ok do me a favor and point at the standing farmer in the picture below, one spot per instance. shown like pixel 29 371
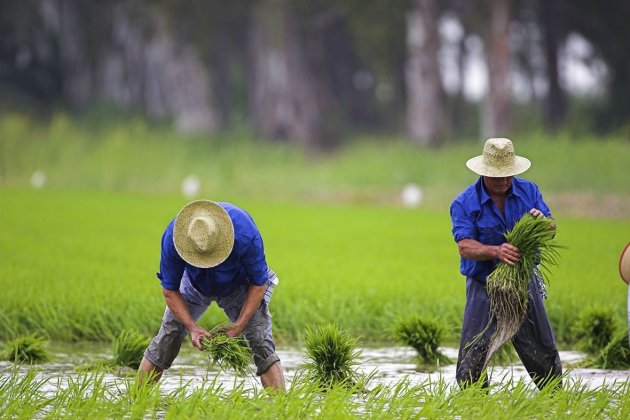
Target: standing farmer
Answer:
pixel 480 215
pixel 213 252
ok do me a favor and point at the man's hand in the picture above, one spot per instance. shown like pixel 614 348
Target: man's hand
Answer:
pixel 507 253
pixel 536 213
pixel 231 330
pixel 196 334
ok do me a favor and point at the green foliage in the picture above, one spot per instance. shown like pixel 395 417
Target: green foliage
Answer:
pixel 227 352
pixel 594 329
pixel 26 349
pixel 508 285
pixel 425 336
pixel 129 348
pixel 332 356
pixel 616 355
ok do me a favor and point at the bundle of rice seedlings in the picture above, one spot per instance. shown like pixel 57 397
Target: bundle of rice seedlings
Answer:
pixel 26 349
pixel 504 356
pixel 129 348
pixel 425 336
pixel 616 355
pixel 594 329
pixel 508 285
pixel 333 356
pixel 227 352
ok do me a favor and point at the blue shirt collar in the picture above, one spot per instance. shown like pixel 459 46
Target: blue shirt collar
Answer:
pixel 485 197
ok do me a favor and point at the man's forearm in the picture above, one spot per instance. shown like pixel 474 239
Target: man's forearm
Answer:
pixel 176 304
pixel 476 251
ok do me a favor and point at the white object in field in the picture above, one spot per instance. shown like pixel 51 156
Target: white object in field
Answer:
pixel 38 179
pixel 191 186
pixel 412 195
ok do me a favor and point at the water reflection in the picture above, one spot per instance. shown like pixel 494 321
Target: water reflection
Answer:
pixel 388 365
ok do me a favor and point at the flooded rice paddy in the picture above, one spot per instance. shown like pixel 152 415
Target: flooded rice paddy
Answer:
pixel 387 365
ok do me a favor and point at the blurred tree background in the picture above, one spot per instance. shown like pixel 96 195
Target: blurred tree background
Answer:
pixel 311 72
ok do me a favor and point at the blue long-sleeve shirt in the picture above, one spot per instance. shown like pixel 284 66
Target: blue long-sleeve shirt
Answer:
pixel 474 216
pixel 246 264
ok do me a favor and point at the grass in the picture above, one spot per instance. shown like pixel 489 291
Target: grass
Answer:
pixel 129 348
pixel 594 329
pixel 26 349
pixel 29 395
pixel 616 354
pixel 332 356
pixel 425 337
pixel 227 352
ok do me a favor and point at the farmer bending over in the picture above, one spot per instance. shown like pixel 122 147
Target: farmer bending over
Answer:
pixel 213 252
pixel 480 215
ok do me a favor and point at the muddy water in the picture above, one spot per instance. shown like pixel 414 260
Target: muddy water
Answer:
pixel 388 366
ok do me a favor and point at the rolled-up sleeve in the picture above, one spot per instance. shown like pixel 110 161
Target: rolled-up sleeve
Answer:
pixel 254 261
pixel 463 227
pixel 171 264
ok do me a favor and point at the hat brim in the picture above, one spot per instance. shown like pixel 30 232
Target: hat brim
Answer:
pixel 518 166
pixel 624 264
pixel 225 234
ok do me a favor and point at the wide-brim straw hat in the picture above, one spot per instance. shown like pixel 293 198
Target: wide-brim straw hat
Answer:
pixel 624 264
pixel 203 234
pixel 498 160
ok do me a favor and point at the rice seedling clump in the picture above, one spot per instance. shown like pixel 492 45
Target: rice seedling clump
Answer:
pixel 129 348
pixel 594 329
pixel 508 285
pixel 425 336
pixel 26 349
pixel 227 352
pixel 333 356
pixel 616 355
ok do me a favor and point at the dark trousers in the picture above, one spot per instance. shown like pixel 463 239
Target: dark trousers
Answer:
pixel 534 342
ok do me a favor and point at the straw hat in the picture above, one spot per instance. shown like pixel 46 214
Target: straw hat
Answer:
pixel 203 234
pixel 498 160
pixel 624 264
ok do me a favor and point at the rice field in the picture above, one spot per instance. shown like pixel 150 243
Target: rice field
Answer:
pixel 78 259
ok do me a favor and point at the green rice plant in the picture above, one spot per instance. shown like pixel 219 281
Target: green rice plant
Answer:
pixel 333 356
pixel 594 329
pixel 616 355
pixel 227 352
pixel 26 349
pixel 129 348
pixel 425 336
pixel 508 285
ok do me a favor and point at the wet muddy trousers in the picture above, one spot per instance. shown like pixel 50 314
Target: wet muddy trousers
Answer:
pixel 534 342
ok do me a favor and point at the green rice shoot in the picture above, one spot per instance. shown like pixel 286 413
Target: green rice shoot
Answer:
pixel 26 349
pixel 227 352
pixel 508 285
pixel 333 356
pixel 129 347
pixel 594 329
pixel 616 355
pixel 425 337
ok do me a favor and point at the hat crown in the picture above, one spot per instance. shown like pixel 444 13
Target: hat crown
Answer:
pixel 203 231
pixel 498 153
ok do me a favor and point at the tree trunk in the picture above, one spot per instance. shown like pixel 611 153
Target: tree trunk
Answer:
pixel 283 99
pixel 76 72
pixel 496 110
pixel 556 101
pixel 146 67
pixel 426 119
